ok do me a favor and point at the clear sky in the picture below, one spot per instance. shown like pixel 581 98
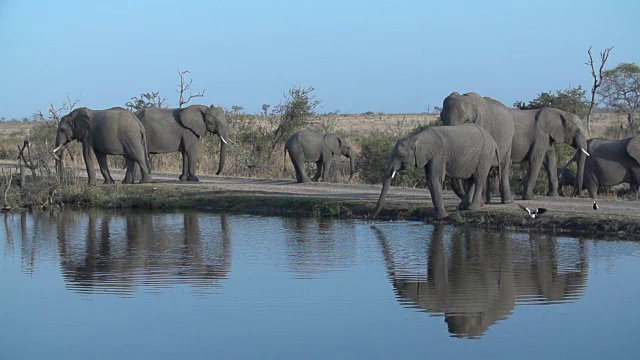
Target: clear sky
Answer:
pixel 382 56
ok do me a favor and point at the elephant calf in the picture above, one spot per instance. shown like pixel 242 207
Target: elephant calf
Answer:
pixel 306 146
pixel 115 131
pixel 460 152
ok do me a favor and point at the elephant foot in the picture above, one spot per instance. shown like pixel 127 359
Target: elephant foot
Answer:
pixel 146 180
pixel 441 215
pixel 182 177
pixel 127 181
pixel 474 207
pixel 192 178
pixel 528 197
pixel 110 181
pixel 553 194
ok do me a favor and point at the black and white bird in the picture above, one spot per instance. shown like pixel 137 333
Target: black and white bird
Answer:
pixel 595 206
pixel 533 212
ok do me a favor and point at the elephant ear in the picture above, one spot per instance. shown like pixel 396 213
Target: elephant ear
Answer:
pixel 332 142
pixel 81 122
pixel 633 148
pixel 192 118
pixel 552 122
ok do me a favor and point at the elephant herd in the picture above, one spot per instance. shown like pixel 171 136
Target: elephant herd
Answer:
pixel 479 134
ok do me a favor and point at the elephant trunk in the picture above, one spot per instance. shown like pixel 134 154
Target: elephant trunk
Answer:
pixel 582 157
pixel 224 138
pixel 385 188
pixel 352 168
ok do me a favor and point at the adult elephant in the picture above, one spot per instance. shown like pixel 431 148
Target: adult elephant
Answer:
pixel 611 162
pixel 115 131
pixel 495 118
pixel 536 133
pixel 170 130
pixel 306 146
pixel 460 152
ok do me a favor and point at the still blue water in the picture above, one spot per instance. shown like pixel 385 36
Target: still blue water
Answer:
pixel 140 285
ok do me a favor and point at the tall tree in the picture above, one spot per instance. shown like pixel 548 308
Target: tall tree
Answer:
pixel 620 90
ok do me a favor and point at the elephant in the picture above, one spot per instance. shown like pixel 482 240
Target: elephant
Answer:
pixel 170 130
pixel 566 177
pixel 115 131
pixel 495 118
pixel 611 162
pixel 306 146
pixel 536 132
pixel 461 152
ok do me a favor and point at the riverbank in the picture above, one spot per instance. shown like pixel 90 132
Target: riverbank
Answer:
pixel 615 219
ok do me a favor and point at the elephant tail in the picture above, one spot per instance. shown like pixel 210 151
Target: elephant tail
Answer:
pixel 147 159
pixel 499 167
pixel 284 160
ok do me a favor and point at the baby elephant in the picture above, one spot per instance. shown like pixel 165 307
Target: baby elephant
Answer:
pixel 460 152
pixel 306 146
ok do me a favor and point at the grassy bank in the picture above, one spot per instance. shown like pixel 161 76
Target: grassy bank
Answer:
pixel 212 198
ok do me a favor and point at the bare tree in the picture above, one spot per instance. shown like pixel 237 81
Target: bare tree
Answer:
pixel 6 184
pixel 265 108
pixel 621 90
pixel 597 80
pixel 184 86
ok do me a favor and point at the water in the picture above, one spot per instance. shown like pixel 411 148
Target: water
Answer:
pixel 139 285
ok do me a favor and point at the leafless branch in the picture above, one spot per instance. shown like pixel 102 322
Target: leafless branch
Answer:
pixel 597 79
pixel 6 184
pixel 184 86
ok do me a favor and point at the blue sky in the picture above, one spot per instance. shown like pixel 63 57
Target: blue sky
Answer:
pixel 381 56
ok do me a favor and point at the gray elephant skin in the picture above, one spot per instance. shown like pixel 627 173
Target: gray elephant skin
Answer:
pixel 307 146
pixel 536 132
pixel 495 118
pixel 171 130
pixel 460 152
pixel 115 131
pixel 611 162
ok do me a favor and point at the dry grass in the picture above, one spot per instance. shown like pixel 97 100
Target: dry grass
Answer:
pixel 241 158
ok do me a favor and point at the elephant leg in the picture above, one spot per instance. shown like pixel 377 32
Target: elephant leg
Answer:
pixel 319 170
pixel 551 166
pixel 192 159
pixel 128 176
pixel 592 186
pixel 435 178
pixel 185 167
pixel 480 183
pixel 138 158
pixel 505 191
pixel 298 165
pixel 468 193
pixel 535 163
pixel 326 169
pixel 91 173
pixel 634 187
pixel 104 167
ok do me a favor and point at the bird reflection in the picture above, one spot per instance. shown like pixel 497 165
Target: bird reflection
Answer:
pixel 474 277
pixel 117 253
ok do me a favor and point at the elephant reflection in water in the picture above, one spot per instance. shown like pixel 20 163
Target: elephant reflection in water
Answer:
pixel 314 246
pixel 475 277
pixel 119 252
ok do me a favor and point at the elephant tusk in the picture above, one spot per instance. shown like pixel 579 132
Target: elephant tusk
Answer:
pixel 223 140
pixel 393 174
pixel 58 148
pixel 585 151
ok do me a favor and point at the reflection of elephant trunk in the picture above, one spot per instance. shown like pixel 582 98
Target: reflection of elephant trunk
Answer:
pixel 460 152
